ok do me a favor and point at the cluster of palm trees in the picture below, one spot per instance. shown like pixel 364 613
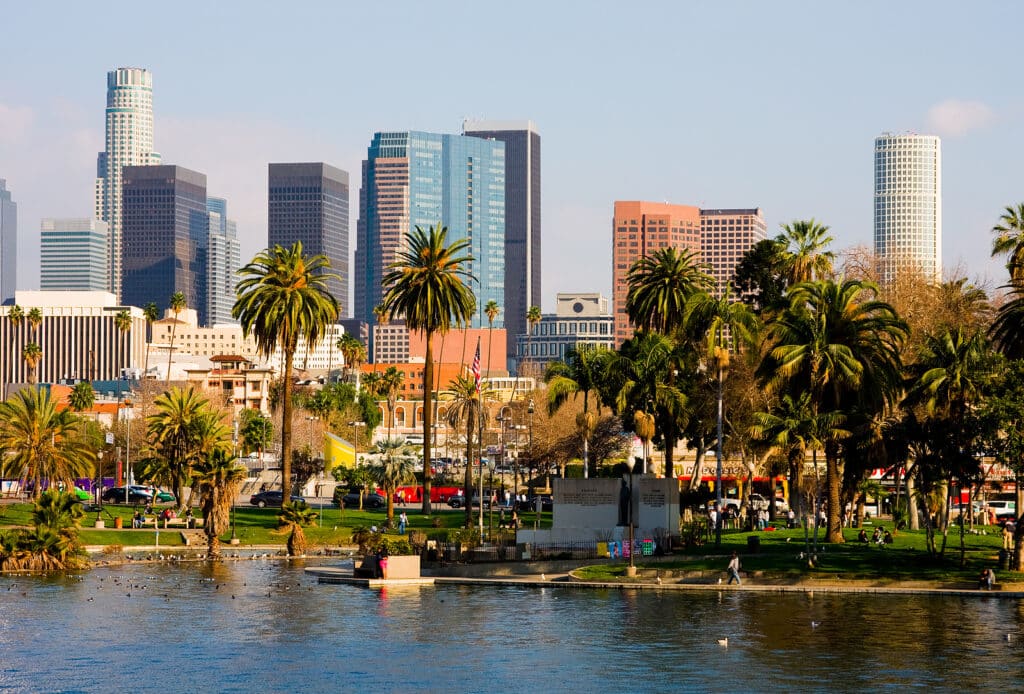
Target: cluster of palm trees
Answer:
pixel 51 544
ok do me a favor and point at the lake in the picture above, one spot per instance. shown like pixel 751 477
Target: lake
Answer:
pixel 244 625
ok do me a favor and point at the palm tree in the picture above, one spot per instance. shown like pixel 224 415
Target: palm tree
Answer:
pixel 123 323
pixel 177 305
pixel 1009 241
pixel 151 313
pixel 35 319
pixel 32 354
pixel 639 378
pixel 283 295
pixel 428 287
pixel 804 256
pixel 491 309
pixel 659 287
pixel 353 352
pixel 173 432
pixel 16 315
pixel 390 386
pixel 218 477
pixel 82 397
pixel 292 519
pixel 580 374
pixel 465 406
pixel 841 345
pixel 42 442
pixel 726 326
pixel 394 470
pixel 533 317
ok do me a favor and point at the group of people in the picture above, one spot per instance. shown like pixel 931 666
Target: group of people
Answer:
pixel 881 536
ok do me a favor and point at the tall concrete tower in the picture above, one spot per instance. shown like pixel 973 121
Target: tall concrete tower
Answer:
pixel 8 243
pixel 908 205
pixel 129 142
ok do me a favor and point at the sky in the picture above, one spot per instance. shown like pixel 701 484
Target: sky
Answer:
pixel 716 104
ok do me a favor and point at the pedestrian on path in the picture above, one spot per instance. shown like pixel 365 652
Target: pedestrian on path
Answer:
pixel 734 569
pixel 402 521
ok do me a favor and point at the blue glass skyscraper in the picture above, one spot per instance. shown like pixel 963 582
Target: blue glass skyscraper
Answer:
pixel 412 179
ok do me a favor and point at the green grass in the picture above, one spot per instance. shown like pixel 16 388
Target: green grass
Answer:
pixel 905 559
pixel 258 526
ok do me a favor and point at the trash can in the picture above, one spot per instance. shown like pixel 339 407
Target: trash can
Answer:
pixel 1004 559
pixel 753 544
pixel 118 523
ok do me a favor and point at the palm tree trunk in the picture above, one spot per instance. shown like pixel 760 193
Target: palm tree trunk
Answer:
pixel 286 427
pixel 467 481
pixel 833 483
pixel 212 544
pixel 170 350
pixel 428 401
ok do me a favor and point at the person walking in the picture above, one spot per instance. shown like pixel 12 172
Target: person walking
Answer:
pixel 734 569
pixel 402 521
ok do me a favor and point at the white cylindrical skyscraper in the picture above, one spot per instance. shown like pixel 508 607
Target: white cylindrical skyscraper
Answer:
pixel 129 142
pixel 908 205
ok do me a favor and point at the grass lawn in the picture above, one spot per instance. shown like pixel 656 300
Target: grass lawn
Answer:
pixel 905 559
pixel 258 526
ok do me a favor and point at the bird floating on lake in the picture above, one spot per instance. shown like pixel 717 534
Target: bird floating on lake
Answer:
pixel 724 642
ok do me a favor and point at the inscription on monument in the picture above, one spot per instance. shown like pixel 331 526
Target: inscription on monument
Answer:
pixel 654 498
pixel 588 496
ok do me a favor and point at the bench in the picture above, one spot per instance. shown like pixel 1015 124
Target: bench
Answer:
pixel 151 522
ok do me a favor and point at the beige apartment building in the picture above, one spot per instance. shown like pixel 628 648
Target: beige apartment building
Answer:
pixel 725 236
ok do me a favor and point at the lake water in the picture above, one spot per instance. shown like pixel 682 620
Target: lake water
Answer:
pixel 263 625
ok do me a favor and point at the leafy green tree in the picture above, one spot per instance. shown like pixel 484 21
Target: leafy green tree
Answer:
pixel 759 278
pixel 282 295
pixel 841 345
pixel 177 305
pixel 42 442
pixel 1003 409
pixel 82 397
pixel 428 287
pixel 218 477
pixel 255 430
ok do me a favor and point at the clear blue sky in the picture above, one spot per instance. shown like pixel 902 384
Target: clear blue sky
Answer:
pixel 724 104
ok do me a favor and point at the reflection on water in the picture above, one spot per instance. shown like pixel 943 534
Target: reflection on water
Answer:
pixel 235 626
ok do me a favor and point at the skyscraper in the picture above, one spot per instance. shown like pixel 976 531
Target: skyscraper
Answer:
pixel 73 255
pixel 129 142
pixel 639 229
pixel 166 231
pixel 309 203
pixel 8 244
pixel 908 205
pixel 522 219
pixel 412 179
pixel 223 258
pixel 725 236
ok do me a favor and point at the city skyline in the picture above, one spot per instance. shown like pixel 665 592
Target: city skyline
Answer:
pixel 797 145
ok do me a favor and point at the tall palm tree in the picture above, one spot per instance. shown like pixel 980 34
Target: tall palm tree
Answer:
pixel 580 374
pixel 123 323
pixel 491 310
pixel 639 377
pixel 218 477
pixel 42 442
pixel 292 519
pixel 283 295
pixel 16 315
pixel 32 354
pixel 394 469
pixel 1009 241
pixel 465 407
pixel 390 387
pixel 659 287
pixel 841 345
pixel 726 326
pixel 173 431
pixel 805 257
pixel 177 305
pixel 533 317
pixel 82 397
pixel 353 352
pixel 428 286
pixel 382 317
pixel 35 319
pixel 151 313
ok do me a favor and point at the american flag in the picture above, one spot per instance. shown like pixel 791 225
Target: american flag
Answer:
pixel 476 366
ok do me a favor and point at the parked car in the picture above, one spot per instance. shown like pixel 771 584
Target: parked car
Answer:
pixel 547 503
pixel 272 497
pixel 135 495
pixel 371 500
pixel 460 501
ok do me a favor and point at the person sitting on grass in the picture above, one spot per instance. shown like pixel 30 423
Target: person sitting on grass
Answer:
pixel 986 579
pixel 862 536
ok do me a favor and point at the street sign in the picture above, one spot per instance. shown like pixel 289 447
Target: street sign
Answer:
pixel 110 438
